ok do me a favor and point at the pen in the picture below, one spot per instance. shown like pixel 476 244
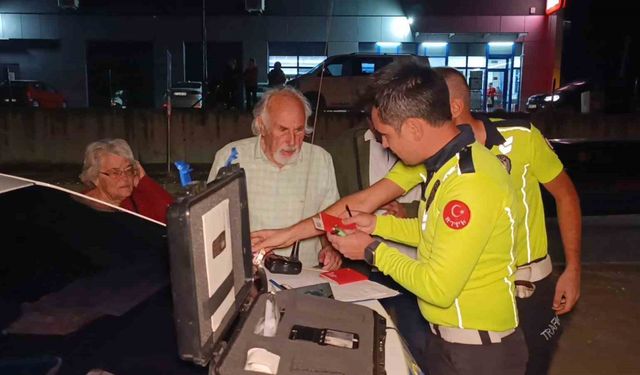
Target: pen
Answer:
pixel 348 210
pixel 278 285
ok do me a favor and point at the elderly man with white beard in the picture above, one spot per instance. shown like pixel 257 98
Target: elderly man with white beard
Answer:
pixel 287 179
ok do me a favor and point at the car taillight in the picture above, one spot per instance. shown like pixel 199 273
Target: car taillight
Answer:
pixel 29 97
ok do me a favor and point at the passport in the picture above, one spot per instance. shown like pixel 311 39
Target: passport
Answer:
pixel 344 276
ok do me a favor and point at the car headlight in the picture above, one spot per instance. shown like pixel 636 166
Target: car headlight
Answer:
pixel 553 98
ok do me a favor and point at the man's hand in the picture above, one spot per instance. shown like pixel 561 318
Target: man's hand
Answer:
pixel 352 246
pixel 364 222
pixel 395 208
pixel 270 239
pixel 567 291
pixel 330 258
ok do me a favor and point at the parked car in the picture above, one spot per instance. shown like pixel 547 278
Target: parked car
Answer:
pixel 186 95
pixel 566 97
pixel 82 289
pixel 28 93
pixel 345 78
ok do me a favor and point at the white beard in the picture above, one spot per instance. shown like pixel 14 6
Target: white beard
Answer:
pixel 277 156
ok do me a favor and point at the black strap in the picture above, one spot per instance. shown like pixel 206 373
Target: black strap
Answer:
pixel 425 183
pixel 432 195
pixel 484 337
pixel 437 329
pixel 358 172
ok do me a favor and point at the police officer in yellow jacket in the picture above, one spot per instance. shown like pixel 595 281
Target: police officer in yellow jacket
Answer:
pixel 465 231
pixel 530 160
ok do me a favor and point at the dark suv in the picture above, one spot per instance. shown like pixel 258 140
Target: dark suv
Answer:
pixel 566 98
pixel 27 93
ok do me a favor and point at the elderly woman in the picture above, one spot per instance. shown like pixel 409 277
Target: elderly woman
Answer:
pixel 112 175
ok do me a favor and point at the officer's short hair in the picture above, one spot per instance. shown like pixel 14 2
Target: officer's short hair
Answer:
pixel 456 80
pixel 407 89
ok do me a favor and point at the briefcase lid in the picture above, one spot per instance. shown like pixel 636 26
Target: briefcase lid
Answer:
pixel 211 264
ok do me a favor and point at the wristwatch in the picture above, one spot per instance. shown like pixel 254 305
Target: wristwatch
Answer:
pixel 370 253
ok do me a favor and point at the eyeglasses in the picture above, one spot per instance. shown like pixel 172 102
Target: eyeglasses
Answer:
pixel 116 173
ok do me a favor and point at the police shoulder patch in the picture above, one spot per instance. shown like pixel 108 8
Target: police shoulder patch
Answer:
pixel 456 214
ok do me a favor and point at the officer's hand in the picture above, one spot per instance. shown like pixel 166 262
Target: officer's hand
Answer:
pixel 395 208
pixel 270 239
pixel 352 246
pixel 567 291
pixel 364 222
pixel 330 258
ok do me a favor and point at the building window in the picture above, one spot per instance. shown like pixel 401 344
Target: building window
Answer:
pixel 388 47
pixel 433 49
pixel 497 64
pixel 293 66
pixel 458 61
pixel 517 61
pixel 437 61
pixel 477 62
pixel 296 58
pixel 501 48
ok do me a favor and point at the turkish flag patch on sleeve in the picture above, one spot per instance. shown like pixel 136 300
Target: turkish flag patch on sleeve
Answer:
pixel 456 214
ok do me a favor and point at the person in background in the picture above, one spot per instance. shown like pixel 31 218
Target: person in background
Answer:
pixel 250 76
pixel 360 161
pixel 276 76
pixel 112 175
pixel 287 179
pixel 491 97
pixel 231 84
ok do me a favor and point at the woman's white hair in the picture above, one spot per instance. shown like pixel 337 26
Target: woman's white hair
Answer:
pixel 260 109
pixel 91 164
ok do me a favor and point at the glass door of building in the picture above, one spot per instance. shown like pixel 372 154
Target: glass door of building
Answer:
pixel 497 89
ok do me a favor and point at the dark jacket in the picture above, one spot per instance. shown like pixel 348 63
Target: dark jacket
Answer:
pixel 350 153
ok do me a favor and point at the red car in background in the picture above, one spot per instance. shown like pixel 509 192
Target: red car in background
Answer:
pixel 28 93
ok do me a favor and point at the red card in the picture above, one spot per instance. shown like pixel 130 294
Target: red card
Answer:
pixel 330 222
pixel 344 276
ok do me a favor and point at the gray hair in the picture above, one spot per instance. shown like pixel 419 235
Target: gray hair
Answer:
pixel 410 89
pixel 91 164
pixel 259 109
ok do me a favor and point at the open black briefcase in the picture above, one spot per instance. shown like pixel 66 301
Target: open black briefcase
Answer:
pixel 218 301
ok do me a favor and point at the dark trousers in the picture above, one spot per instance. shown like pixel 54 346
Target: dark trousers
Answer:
pixel 251 96
pixel 405 313
pixel 508 357
pixel 541 325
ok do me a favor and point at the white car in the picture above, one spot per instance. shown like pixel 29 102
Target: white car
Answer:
pixel 186 95
pixel 344 80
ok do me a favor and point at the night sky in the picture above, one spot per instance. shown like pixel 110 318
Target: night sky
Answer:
pixel 595 34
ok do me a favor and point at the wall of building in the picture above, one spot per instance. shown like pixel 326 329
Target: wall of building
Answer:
pixel 59 137
pixel 63 63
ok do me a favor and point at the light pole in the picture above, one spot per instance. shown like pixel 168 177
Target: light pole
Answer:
pixel 205 78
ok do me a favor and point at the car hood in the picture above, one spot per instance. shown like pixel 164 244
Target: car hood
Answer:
pixel 84 285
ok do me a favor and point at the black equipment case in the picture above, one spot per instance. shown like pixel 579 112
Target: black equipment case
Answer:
pixel 218 301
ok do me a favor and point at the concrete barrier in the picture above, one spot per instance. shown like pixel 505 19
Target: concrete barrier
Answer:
pixel 60 136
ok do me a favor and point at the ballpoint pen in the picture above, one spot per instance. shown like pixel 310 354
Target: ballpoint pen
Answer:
pixel 278 285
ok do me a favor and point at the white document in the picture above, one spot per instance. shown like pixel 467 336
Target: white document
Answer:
pixel 361 291
pixel 358 291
